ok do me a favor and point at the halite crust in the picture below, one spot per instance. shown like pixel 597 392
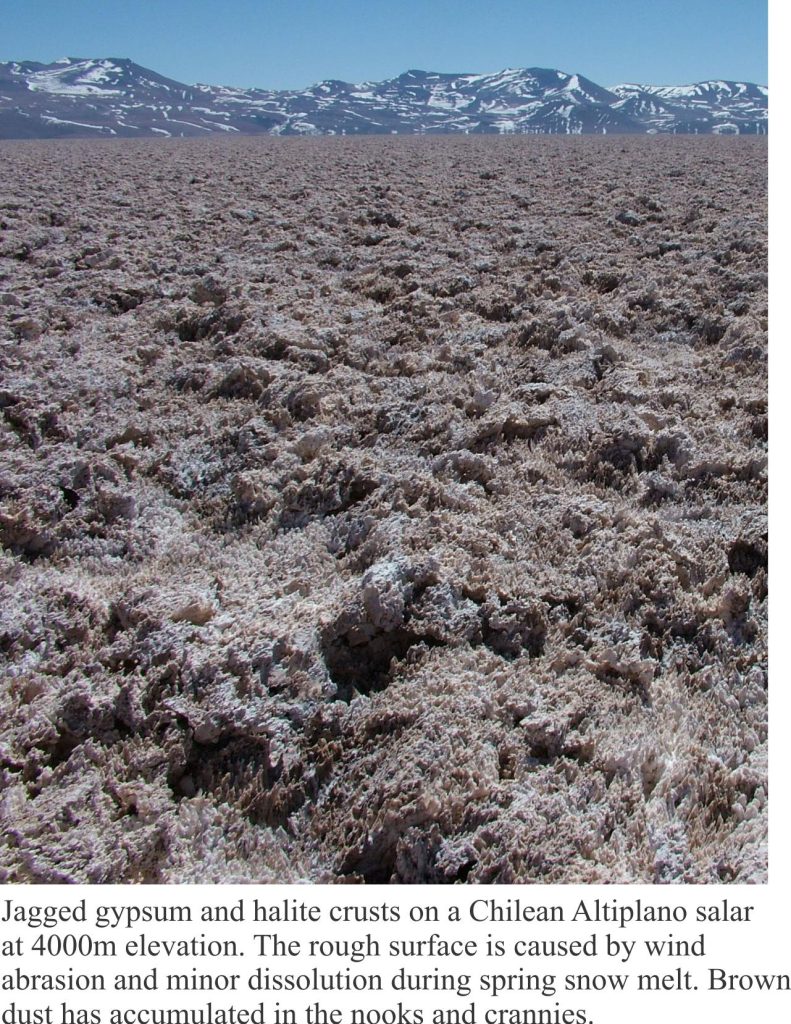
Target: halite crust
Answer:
pixel 411 528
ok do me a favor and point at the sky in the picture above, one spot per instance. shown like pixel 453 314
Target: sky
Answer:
pixel 283 44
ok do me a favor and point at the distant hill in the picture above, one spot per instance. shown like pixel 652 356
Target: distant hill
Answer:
pixel 91 98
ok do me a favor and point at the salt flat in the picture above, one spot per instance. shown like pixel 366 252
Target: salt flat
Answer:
pixel 383 510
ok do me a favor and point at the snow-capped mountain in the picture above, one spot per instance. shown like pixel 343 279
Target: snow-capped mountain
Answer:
pixel 77 97
pixel 717 107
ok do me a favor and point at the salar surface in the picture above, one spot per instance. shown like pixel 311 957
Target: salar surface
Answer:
pixel 383 510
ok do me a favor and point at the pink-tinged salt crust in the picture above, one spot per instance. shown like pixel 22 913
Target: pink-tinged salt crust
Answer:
pixel 383 510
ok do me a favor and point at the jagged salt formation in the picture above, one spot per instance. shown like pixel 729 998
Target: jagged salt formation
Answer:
pixel 389 510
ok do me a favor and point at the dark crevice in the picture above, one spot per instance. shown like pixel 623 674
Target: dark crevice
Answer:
pixel 362 668
pixel 747 557
pixel 374 867
pixel 238 771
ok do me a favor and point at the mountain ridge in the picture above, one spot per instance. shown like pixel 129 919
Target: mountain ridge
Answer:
pixel 85 97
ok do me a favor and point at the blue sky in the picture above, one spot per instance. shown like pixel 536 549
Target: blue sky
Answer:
pixel 293 43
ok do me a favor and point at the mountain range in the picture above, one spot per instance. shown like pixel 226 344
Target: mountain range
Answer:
pixel 92 98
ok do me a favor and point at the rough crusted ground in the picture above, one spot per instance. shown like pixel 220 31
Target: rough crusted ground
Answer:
pixel 383 510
